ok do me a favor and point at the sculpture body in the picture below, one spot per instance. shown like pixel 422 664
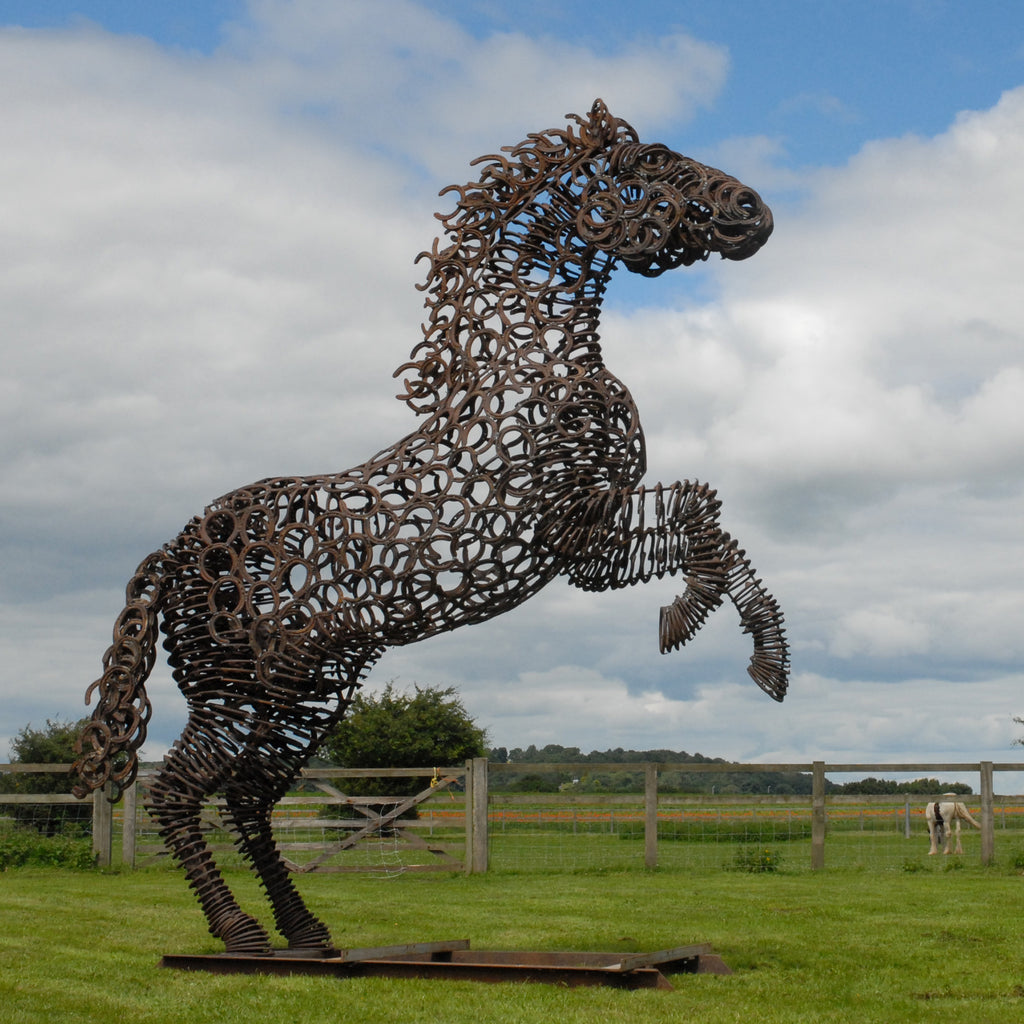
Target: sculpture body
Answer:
pixel 525 464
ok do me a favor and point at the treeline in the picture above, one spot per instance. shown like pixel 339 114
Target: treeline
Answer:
pixel 919 787
pixel 591 779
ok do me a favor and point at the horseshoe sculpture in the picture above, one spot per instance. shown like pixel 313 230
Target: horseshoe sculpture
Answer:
pixel 525 465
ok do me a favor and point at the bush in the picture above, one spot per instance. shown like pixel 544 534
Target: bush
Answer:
pixel 911 866
pixel 757 859
pixel 25 847
pixel 426 728
pixel 53 745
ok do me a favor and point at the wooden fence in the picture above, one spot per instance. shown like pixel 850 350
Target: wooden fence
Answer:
pixel 821 804
pixel 472 812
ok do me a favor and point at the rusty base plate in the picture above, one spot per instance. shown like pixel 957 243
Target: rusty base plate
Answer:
pixel 455 960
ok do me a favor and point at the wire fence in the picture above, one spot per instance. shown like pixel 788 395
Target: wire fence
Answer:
pixel 885 834
pixel 472 824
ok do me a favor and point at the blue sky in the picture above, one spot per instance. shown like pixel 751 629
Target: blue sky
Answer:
pixel 824 77
pixel 210 213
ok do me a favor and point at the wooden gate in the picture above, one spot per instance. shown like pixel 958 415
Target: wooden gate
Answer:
pixel 379 834
pixel 320 828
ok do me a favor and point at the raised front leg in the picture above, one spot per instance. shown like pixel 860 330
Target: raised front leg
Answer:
pixel 620 538
pixel 761 617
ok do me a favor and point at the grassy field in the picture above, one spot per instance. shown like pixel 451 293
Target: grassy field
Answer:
pixel 844 944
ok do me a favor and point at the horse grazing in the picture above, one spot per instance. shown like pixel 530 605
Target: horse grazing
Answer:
pixel 525 465
pixel 943 818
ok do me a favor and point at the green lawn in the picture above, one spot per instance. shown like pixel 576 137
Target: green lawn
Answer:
pixel 840 945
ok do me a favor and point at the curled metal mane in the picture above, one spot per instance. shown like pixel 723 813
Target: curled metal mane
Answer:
pixel 525 465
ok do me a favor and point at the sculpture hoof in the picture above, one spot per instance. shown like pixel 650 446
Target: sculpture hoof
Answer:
pixel 315 939
pixel 771 674
pixel 245 937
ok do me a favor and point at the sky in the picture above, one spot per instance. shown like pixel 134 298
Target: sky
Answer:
pixel 209 214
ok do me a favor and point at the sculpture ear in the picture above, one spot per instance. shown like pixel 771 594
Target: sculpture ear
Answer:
pixel 601 125
pixel 602 129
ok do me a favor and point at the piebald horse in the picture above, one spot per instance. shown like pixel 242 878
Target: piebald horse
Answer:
pixel 944 817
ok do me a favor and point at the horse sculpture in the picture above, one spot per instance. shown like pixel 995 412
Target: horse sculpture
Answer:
pixel 943 818
pixel 526 465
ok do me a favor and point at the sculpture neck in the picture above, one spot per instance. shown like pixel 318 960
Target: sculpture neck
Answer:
pixel 519 301
pixel 545 295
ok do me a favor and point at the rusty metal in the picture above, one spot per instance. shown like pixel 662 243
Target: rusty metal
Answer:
pixel 456 961
pixel 525 465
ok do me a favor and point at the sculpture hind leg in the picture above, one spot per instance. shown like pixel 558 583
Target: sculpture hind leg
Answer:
pixel 192 772
pixel 274 754
pixel 250 815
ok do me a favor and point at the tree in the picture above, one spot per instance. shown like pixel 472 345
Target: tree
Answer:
pixel 429 727
pixel 53 745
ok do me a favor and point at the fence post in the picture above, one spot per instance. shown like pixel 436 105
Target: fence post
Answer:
pixel 468 816
pixel 818 815
pixel 479 812
pixel 102 825
pixel 650 815
pixel 131 795
pixel 988 835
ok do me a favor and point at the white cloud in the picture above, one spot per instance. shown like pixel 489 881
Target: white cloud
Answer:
pixel 206 277
pixel 881 632
pixel 419 85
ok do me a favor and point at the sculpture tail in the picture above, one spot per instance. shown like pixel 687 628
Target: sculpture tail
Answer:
pixel 108 746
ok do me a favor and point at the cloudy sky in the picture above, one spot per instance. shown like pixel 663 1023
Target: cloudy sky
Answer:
pixel 208 218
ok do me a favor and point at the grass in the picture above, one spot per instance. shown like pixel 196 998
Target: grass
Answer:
pixel 24 846
pixel 839 945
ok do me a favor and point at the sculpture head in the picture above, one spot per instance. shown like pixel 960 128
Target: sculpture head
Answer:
pixel 654 209
pixel 539 233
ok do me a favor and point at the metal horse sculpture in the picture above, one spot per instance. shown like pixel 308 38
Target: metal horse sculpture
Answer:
pixel 525 465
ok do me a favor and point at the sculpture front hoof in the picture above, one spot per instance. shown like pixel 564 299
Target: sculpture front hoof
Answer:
pixel 771 672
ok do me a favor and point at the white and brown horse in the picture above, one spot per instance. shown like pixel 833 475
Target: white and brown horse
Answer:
pixel 944 817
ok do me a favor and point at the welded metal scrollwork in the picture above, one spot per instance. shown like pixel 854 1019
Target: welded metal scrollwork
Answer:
pixel 525 465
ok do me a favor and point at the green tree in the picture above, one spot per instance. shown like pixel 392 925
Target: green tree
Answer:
pixel 426 728
pixel 54 744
